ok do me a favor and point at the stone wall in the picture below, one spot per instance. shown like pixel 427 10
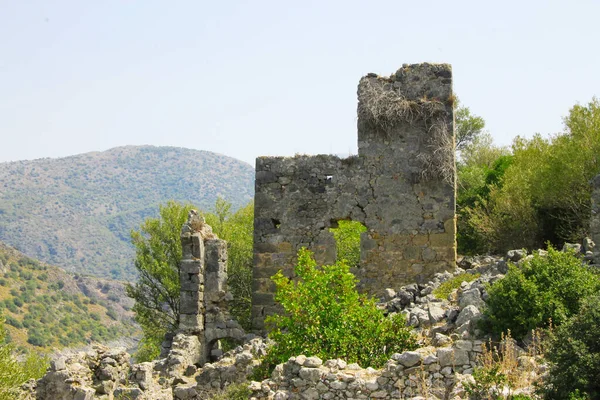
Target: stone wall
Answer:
pixel 204 295
pixel 427 372
pixel 595 218
pixel 401 186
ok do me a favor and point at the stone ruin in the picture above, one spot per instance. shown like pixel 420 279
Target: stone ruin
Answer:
pixel 204 296
pixel 401 186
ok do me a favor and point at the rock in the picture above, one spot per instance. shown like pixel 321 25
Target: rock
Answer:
pixel 576 247
pixel 469 313
pixel 440 340
pixel 516 255
pixel 470 297
pixel 449 356
pixel 408 358
pixel 389 294
pixel 588 245
pixel 502 267
pixel 467 262
pixel 58 364
pixel 313 362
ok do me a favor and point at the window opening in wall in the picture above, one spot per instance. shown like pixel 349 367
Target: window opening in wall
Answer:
pixel 347 237
pixel 329 178
pixel 276 223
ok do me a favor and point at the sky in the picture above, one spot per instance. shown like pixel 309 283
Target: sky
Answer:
pixel 252 78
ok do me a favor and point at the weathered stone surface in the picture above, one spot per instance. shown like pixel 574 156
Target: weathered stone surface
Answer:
pixel 394 186
pixel 469 313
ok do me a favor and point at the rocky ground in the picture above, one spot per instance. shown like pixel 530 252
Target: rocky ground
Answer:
pixel 452 346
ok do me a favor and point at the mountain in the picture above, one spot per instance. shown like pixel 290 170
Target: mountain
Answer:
pixel 76 212
pixel 47 308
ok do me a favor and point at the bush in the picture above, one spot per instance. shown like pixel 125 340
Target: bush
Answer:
pixel 444 290
pixel 13 372
pixel 326 317
pixel 545 288
pixel 574 354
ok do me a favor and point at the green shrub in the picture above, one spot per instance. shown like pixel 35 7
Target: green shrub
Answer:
pixel 326 317
pixel 444 290
pixel 574 354
pixel 13 372
pixel 543 289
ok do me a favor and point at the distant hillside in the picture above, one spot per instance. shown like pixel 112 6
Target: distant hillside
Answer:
pixel 45 307
pixel 76 212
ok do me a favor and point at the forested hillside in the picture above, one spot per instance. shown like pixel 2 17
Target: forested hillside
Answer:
pixel 44 307
pixel 77 212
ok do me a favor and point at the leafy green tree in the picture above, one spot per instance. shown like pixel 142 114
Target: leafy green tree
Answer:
pixel 347 238
pixel 468 127
pixel 544 194
pixel 237 229
pixel 156 293
pixel 325 316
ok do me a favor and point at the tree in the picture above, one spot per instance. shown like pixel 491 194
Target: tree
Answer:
pixel 545 192
pixel 237 229
pixel 157 260
pixel 347 238
pixel 467 128
pixel 480 167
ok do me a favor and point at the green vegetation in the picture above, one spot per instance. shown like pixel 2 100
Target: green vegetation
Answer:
pixel 158 256
pixel 237 229
pixel 43 307
pixel 325 316
pixel 347 238
pixel 444 290
pixel 156 293
pixel 16 369
pixel 238 391
pixel 545 289
pixel 540 192
pixel 70 211
pixel 574 354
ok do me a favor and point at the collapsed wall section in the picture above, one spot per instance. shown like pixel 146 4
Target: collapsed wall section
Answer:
pixel 401 186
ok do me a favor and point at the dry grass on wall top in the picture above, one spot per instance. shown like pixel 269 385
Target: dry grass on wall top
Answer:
pixel 383 108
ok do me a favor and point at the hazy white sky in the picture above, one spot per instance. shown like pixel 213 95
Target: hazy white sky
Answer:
pixel 250 78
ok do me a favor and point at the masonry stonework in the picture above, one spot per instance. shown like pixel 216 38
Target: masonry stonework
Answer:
pixel 401 186
pixel 204 295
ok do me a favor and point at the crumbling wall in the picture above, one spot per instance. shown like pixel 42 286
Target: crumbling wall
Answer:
pixel 401 186
pixel 595 218
pixel 204 295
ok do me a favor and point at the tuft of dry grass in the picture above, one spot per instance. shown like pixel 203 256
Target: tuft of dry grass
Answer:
pixel 504 368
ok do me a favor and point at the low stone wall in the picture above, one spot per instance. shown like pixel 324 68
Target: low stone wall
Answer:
pixel 428 371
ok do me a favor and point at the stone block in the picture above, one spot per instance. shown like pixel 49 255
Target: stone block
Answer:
pixel 191 267
pixel 191 302
pixel 191 322
pixel 446 239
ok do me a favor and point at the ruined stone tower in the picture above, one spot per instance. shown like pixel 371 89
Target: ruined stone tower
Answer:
pixel 401 186
pixel 203 295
